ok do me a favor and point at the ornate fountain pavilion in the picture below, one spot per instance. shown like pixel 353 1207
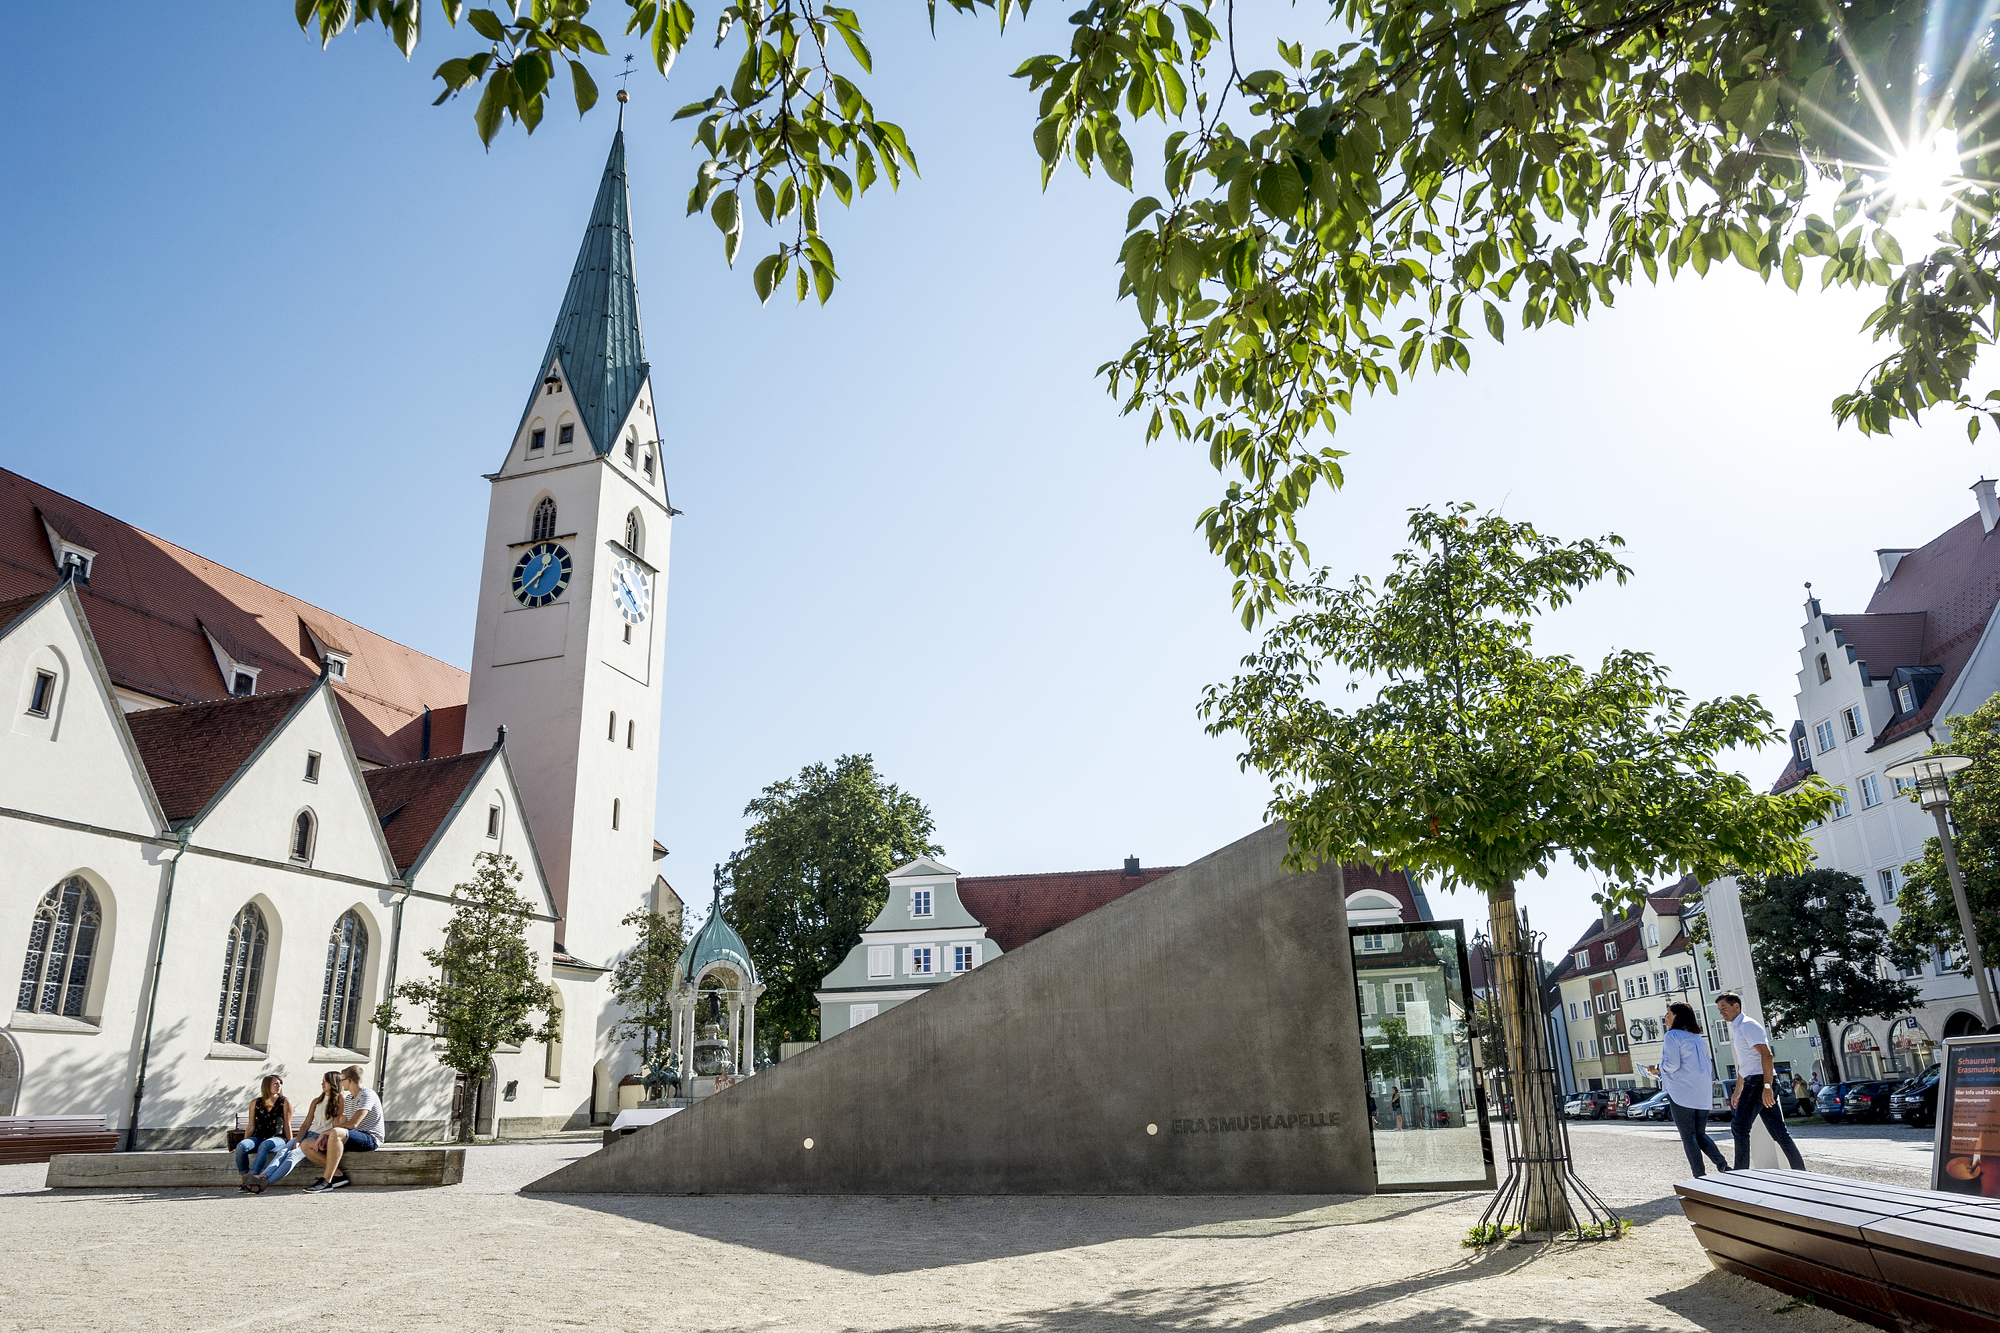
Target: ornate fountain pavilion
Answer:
pixel 714 1009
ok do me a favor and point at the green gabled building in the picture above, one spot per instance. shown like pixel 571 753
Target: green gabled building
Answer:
pixel 922 938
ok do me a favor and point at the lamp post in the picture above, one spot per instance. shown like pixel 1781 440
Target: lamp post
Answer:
pixel 1932 776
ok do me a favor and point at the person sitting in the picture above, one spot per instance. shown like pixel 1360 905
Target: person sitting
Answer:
pixel 270 1128
pixel 359 1129
pixel 321 1113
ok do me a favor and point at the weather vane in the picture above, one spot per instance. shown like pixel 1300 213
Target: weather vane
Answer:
pixel 623 95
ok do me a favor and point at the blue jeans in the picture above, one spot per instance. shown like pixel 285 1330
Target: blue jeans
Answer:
pixel 1693 1125
pixel 284 1156
pixel 1749 1107
pixel 253 1154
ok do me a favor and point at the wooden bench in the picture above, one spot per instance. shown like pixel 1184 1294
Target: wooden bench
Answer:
pixel 242 1130
pixel 1910 1260
pixel 217 1170
pixel 38 1138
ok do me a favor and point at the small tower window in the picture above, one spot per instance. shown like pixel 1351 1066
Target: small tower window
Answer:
pixel 649 466
pixel 537 440
pixel 302 836
pixel 44 694
pixel 628 634
pixel 566 433
pixel 631 733
pixel 545 517
pixel 632 533
pixel 631 447
pixel 492 821
pixel 612 733
pixel 312 766
pixel 614 813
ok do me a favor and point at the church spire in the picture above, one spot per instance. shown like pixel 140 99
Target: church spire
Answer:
pixel 596 335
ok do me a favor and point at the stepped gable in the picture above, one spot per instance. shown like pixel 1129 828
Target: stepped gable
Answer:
pixel 150 602
pixel 192 751
pixel 1193 1036
pixel 412 801
pixel 1018 908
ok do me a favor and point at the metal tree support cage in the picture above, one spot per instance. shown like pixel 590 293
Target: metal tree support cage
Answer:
pixel 1524 1086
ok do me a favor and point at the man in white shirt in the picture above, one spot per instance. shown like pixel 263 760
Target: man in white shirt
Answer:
pixel 1756 1094
pixel 360 1129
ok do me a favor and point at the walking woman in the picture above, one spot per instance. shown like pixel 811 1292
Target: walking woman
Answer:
pixel 270 1127
pixel 1688 1076
pixel 320 1115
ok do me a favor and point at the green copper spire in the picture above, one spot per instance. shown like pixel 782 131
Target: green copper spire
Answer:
pixel 597 334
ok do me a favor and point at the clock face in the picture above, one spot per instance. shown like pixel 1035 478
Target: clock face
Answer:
pixel 631 590
pixel 541 574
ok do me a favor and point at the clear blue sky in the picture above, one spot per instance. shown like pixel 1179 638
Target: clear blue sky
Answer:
pixel 267 303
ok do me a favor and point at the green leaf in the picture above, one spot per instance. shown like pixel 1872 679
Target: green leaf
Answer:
pixel 487 24
pixel 1280 190
pixel 492 106
pixel 727 213
pixel 583 85
pixel 1886 246
pixel 765 277
pixel 1794 269
pixel 861 58
pixel 1140 211
pixel 1495 324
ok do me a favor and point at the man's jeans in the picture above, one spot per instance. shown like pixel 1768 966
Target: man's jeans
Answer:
pixel 1750 1106
pixel 253 1154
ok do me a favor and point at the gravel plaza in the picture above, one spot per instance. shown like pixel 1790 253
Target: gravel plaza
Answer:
pixel 482 1255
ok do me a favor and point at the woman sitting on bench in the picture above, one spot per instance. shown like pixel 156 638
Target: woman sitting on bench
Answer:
pixel 359 1130
pixel 270 1128
pixel 320 1115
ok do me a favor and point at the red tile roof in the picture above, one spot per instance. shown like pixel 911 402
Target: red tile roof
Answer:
pixel 148 600
pixel 1018 908
pixel 1884 640
pixel 192 751
pixel 412 800
pixel 13 608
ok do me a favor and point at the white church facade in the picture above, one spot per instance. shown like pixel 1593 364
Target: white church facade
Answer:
pixel 230 821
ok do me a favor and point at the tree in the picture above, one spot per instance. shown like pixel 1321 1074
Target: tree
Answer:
pixel 1820 953
pixel 642 980
pixel 810 876
pixel 488 984
pixel 1929 919
pixel 1396 1055
pixel 1479 761
pixel 1331 224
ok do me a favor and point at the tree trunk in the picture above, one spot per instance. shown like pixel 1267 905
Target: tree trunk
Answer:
pixel 1832 1053
pixel 1537 1100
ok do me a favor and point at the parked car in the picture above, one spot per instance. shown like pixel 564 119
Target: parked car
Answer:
pixel 1596 1104
pixel 1869 1100
pixel 1915 1103
pixel 1832 1102
pixel 1654 1107
pixel 1788 1105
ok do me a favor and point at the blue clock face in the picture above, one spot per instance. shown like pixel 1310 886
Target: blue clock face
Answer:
pixel 541 574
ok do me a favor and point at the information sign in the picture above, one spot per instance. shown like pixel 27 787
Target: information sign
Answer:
pixel 1967 1159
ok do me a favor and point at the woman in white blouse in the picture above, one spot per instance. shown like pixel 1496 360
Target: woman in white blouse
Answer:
pixel 1688 1076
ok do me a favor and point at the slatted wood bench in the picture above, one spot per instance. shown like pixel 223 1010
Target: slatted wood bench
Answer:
pixel 38 1138
pixel 209 1169
pixel 1909 1260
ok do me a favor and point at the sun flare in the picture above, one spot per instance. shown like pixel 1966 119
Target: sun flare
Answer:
pixel 1925 176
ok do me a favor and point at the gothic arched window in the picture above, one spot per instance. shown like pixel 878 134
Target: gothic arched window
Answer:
pixel 340 998
pixel 56 976
pixel 545 519
pixel 242 978
pixel 302 836
pixel 632 534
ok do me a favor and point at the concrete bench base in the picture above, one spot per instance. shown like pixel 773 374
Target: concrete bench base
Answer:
pixel 217 1170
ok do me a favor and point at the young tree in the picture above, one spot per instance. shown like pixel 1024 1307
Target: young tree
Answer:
pixel 1819 950
pixel 1333 222
pixel 1479 761
pixel 810 876
pixel 1929 919
pixel 488 984
pixel 642 980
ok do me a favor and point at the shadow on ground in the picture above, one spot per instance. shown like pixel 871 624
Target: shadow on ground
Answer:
pixel 883 1236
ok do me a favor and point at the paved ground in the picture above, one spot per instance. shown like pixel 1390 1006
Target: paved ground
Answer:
pixel 483 1256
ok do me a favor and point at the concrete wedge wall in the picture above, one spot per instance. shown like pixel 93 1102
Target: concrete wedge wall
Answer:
pixel 1196 1036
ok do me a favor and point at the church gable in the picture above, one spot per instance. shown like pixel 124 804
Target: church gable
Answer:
pixel 298 797
pixel 439 817
pixel 64 747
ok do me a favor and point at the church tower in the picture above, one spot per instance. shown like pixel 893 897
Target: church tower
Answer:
pixel 566 655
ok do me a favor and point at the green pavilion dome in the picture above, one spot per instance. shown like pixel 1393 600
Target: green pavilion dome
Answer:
pixel 718 942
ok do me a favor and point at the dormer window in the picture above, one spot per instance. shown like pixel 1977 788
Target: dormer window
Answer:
pixel 1610 953
pixel 537 439
pixel 1906 698
pixel 920 902
pixel 1583 958
pixel 242 683
pixel 76 564
pixel 336 666
pixel 1805 752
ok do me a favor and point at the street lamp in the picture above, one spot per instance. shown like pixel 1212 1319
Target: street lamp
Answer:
pixel 1931 775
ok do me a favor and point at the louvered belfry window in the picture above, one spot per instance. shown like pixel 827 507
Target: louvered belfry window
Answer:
pixel 545 519
pixel 242 978
pixel 56 977
pixel 340 1000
